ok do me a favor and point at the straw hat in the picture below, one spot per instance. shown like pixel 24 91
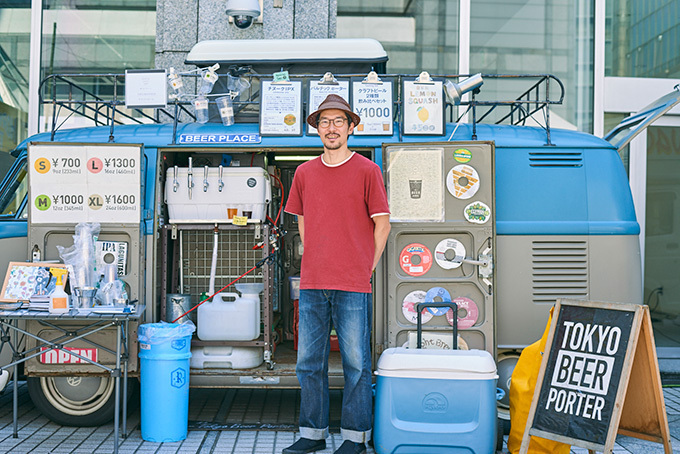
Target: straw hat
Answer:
pixel 333 102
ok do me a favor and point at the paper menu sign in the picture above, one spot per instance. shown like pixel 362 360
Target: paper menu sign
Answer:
pixel 281 108
pixel 71 183
pixel 373 103
pixel 318 92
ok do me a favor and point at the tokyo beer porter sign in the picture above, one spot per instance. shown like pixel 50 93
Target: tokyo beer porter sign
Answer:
pixel 593 355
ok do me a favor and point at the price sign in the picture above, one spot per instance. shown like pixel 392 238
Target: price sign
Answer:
pixel 318 92
pixel 281 109
pixel 373 103
pixel 71 183
pixel 423 108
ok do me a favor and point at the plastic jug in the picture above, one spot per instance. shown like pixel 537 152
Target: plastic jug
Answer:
pixel 229 317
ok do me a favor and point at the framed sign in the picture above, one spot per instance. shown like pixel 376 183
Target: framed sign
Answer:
pixel 281 108
pixel 423 107
pixel 372 101
pixel 72 183
pixel 146 88
pixel 26 279
pixel 595 353
pixel 319 91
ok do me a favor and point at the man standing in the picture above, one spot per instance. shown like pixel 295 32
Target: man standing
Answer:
pixel 343 217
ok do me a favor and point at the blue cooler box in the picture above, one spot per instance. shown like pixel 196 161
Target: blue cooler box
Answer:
pixel 435 401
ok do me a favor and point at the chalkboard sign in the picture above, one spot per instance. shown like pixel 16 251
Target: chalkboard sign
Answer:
pixel 591 353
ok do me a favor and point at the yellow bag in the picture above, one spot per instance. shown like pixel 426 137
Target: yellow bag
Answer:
pixel 522 385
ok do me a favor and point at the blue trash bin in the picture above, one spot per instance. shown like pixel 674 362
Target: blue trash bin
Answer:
pixel 164 352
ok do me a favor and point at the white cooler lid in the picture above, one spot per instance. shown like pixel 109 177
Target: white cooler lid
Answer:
pixel 447 364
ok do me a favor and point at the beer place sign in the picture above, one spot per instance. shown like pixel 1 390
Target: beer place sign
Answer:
pixel 595 352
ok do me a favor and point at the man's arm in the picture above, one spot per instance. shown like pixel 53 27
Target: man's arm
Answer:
pixel 301 228
pixel 380 233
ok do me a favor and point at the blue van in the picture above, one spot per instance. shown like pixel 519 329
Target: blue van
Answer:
pixel 563 221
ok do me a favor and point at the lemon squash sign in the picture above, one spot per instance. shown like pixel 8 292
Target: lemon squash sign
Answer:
pixel 423 106
pixel 597 351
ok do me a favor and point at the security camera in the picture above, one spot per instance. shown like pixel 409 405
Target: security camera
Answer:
pixel 243 12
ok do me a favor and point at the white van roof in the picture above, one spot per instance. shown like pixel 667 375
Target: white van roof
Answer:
pixel 253 51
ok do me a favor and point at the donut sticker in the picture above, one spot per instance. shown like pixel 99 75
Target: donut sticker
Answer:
pixel 438 295
pixel 468 312
pixel 408 307
pixel 449 253
pixel 415 259
pixel 462 181
pixel 477 212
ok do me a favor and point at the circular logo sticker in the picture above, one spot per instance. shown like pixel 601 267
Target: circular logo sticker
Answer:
pixel 477 212
pixel 449 253
pixel 42 165
pixel 438 295
pixel 42 202
pixel 462 181
pixel 251 182
pixel 408 307
pixel 468 312
pixel 462 155
pixel 415 259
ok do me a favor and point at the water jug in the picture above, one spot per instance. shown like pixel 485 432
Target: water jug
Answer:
pixel 229 317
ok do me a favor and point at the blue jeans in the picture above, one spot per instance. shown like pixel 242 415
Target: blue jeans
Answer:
pixel 351 314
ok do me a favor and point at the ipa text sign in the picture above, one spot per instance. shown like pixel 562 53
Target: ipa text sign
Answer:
pixel 594 352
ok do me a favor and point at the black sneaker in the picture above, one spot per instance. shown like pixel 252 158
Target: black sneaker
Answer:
pixel 305 445
pixel 350 447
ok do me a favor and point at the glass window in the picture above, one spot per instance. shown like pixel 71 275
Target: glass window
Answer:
pixel 95 37
pixel 537 36
pixel 14 193
pixel 417 35
pixel 662 234
pixel 642 38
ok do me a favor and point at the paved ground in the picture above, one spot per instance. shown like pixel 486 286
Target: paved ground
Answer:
pixel 231 415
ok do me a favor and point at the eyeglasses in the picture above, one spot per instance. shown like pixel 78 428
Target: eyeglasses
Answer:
pixel 338 122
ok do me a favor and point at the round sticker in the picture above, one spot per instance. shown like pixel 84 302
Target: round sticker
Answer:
pixel 408 307
pixel 442 295
pixel 449 253
pixel 468 312
pixel 42 165
pixel 462 181
pixel 462 155
pixel 251 182
pixel 477 212
pixel 415 259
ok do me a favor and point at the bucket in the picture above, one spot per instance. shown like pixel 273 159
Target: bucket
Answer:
pixel 164 353
pixel 176 304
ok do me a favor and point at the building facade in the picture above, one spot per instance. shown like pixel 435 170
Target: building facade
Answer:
pixel 614 57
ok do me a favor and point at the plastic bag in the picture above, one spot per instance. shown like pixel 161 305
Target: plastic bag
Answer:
pixel 522 385
pixel 81 256
pixel 161 332
pixel 109 292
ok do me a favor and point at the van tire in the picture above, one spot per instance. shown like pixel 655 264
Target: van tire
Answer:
pixel 77 401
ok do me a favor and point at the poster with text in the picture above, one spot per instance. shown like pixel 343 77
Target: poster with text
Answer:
pixel 423 106
pixel 71 183
pixel 281 108
pixel 373 103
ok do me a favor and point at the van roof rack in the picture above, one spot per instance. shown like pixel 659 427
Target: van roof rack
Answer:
pixel 100 98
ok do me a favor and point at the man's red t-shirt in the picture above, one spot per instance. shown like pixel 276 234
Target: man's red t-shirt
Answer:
pixel 337 203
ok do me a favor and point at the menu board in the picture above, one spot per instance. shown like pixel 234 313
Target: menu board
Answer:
pixel 72 183
pixel 423 108
pixel 281 108
pixel 319 91
pixel 373 103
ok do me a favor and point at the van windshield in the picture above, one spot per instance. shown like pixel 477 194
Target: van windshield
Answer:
pixel 14 193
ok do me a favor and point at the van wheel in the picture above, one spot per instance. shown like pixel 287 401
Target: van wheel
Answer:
pixel 76 401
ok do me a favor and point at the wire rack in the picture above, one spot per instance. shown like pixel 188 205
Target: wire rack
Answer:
pixel 235 256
